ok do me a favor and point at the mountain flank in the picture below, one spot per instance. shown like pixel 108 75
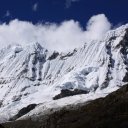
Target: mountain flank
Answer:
pixel 108 112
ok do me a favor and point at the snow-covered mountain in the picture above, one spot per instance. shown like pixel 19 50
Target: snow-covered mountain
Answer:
pixel 33 75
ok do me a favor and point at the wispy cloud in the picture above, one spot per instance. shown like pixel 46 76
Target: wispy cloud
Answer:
pixel 35 7
pixel 69 2
pixel 7 14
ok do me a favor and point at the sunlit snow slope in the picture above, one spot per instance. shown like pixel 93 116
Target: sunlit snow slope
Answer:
pixel 32 74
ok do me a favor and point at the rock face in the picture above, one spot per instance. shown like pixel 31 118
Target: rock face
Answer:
pixel 108 112
pixel 33 75
pixel 66 93
pixel 24 111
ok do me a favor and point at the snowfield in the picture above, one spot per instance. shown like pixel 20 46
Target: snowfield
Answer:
pixel 33 75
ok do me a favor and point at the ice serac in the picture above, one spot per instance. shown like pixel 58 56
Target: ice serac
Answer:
pixel 33 75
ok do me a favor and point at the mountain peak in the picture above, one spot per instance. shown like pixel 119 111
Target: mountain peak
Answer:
pixel 32 75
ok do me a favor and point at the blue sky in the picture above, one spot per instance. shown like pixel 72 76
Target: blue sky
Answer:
pixel 60 10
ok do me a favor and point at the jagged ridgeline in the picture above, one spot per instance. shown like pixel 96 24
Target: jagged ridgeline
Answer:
pixel 32 75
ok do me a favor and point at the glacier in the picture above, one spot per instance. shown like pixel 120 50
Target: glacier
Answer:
pixel 32 74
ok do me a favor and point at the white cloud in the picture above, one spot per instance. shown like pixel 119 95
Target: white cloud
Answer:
pixel 35 7
pixel 69 2
pixel 62 37
pixel 97 26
